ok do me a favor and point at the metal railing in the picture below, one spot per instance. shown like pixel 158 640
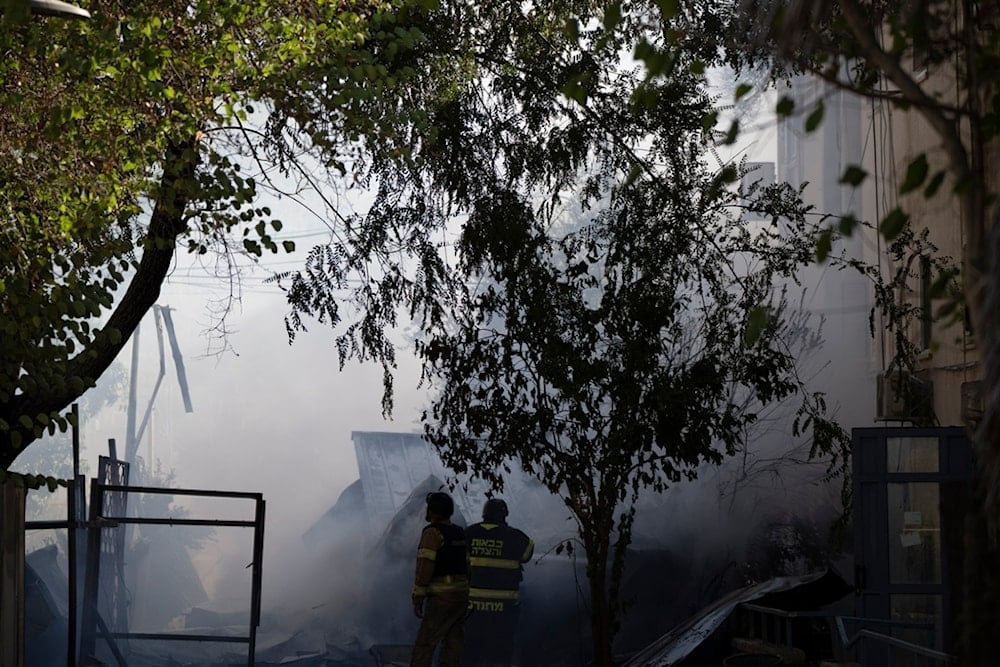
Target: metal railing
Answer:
pixel 777 625
pixel 864 633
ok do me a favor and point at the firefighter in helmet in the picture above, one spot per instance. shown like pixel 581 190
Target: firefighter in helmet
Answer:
pixel 497 553
pixel 441 585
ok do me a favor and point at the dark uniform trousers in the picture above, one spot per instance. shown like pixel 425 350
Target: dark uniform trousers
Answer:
pixel 443 623
pixel 489 637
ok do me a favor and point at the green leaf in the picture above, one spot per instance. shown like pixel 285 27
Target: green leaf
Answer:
pixel 785 106
pixel 742 90
pixel 847 225
pixel 934 185
pixel 572 29
pixel 916 174
pixel 893 224
pixel 633 173
pixel 732 134
pixel 252 247
pixel 289 246
pixel 824 243
pixel 940 285
pixel 757 320
pixel 14 12
pixel 815 118
pixel 668 8
pixel 612 16
pixel 575 90
pixel 854 176
pixel 645 97
pixel 946 310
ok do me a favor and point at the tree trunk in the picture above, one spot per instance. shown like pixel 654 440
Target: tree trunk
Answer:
pixel 601 621
pixel 979 623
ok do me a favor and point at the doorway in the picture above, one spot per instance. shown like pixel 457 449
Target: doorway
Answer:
pixel 910 494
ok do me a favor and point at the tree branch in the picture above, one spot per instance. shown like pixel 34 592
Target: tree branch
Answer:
pixel 167 222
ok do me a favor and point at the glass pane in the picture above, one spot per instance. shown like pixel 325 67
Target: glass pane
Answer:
pixel 914 533
pixel 919 618
pixel 911 455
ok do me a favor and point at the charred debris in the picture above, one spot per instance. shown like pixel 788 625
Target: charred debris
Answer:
pixel 126 590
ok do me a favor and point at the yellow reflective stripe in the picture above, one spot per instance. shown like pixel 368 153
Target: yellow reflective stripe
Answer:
pixel 528 551
pixel 448 583
pixel 429 554
pixel 448 586
pixel 420 591
pixel 492 594
pixel 499 563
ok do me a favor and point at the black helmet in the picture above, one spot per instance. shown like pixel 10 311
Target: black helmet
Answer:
pixel 441 504
pixel 495 510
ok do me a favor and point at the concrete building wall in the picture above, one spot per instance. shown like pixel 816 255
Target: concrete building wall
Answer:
pixel 948 356
pixel 842 298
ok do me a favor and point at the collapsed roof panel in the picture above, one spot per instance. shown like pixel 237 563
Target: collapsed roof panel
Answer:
pixel 391 465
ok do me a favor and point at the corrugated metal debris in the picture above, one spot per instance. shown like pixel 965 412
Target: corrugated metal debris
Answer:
pixel 677 644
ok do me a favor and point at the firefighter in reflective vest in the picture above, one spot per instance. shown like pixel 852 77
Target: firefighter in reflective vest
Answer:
pixel 497 553
pixel 441 585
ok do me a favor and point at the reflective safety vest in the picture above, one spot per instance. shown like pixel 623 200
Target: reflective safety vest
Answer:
pixel 496 554
pixel 450 569
pixel 450 558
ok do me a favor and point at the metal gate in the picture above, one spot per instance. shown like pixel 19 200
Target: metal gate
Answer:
pixel 107 512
